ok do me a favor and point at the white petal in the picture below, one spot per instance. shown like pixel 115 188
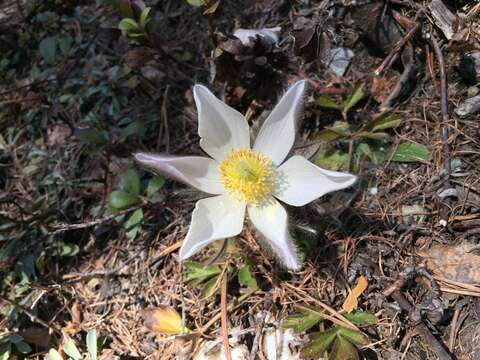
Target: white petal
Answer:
pixel 214 218
pixel 272 222
pixel 303 182
pixel 220 127
pixel 277 135
pixel 199 172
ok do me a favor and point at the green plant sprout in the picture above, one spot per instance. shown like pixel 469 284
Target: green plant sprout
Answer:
pixel 94 346
pixel 130 192
pixel 364 141
pixel 341 343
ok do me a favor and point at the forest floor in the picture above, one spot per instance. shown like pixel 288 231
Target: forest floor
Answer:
pixel 89 240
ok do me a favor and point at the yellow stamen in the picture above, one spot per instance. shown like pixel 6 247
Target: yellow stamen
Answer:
pixel 247 175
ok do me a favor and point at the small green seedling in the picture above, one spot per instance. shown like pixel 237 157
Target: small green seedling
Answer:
pixel 209 277
pixel 8 343
pixel 130 192
pixel 365 141
pixel 94 346
pixel 136 29
pixel 340 343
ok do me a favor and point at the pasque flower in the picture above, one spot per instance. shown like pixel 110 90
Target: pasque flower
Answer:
pixel 245 179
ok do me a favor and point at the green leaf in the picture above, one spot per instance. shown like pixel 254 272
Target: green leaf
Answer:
pixel 91 135
pixel 65 44
pixel 136 34
pixel 101 341
pixel 302 321
pixel 63 99
pixel 144 17
pixel 328 135
pixel 384 121
pixel 210 287
pixel 327 102
pixel 332 159
pixel 23 347
pixel 48 50
pixel 67 250
pixel 130 182
pixel 92 344
pixel 121 199
pixel 198 273
pixel 361 318
pixel 71 350
pixel 154 184
pixel 373 135
pixel 5 350
pixel 196 3
pixel 135 127
pixel 356 95
pixel 319 343
pixel 128 25
pixel 14 338
pixel 245 277
pixel 353 336
pixel 343 350
pixel 212 8
pixel 53 355
pixel 411 152
pixel 376 155
pixel 133 224
pixel 338 130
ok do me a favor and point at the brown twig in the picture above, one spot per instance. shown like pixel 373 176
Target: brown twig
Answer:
pixel 408 71
pixel 443 107
pixel 336 317
pixel 61 228
pixel 211 24
pixel 230 307
pixel 223 310
pixel 66 227
pixel 453 330
pixel 430 65
pixel 444 208
pixel 466 224
pixel 258 334
pixel 395 286
pixel 420 327
pixel 390 59
pixel 31 315
pixel 315 85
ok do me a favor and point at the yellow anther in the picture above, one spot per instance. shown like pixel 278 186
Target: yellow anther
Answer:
pixel 247 175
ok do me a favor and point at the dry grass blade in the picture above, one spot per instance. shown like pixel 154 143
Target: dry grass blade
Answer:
pixel 335 316
pixel 224 319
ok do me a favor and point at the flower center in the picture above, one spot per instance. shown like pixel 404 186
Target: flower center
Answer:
pixel 247 175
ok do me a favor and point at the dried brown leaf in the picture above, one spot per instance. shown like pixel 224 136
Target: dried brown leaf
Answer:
pixel 382 87
pixel 458 263
pixel 351 302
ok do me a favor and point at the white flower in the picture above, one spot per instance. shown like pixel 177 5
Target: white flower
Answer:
pixel 245 178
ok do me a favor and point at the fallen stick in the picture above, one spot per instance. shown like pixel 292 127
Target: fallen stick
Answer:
pixel 443 107
pixel 390 59
pixel 420 327
pixel 444 210
pixel 409 71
